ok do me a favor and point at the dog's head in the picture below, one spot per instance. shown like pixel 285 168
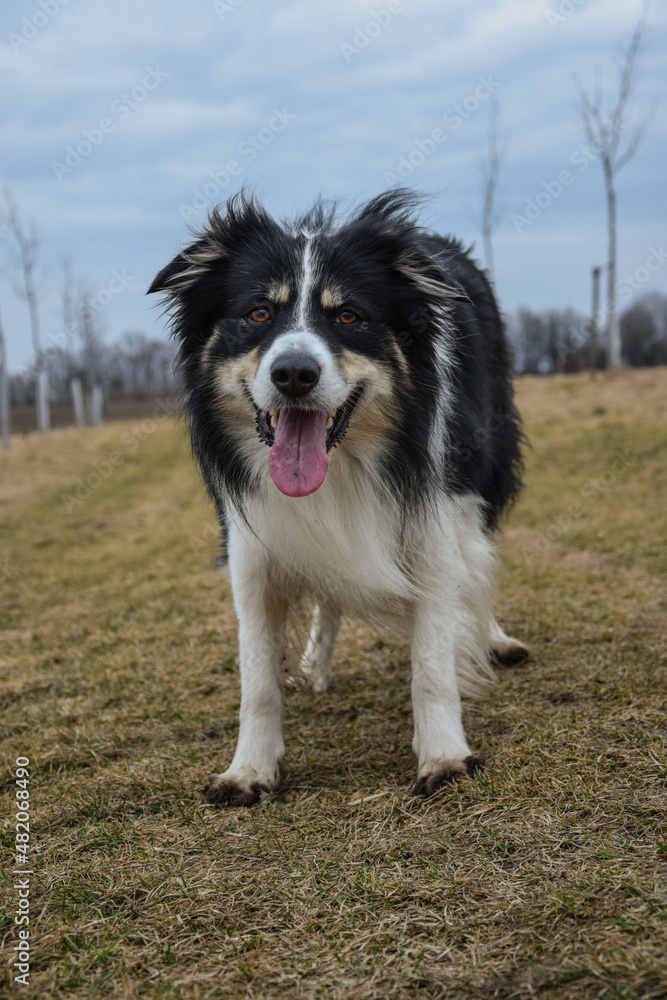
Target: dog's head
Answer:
pixel 295 336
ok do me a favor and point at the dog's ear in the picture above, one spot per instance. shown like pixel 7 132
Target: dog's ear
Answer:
pixel 176 277
pixel 192 284
pixel 429 276
pixel 390 219
pixel 212 248
pixel 227 229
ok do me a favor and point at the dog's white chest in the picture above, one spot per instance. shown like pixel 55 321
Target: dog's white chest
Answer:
pixel 341 541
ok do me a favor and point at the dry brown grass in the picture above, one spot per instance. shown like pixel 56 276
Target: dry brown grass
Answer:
pixel 544 876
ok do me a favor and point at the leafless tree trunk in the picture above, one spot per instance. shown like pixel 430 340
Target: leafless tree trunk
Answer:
pixel 68 296
pixel 4 390
pixel 27 244
pixel 90 333
pixel 77 402
pixel 490 172
pixel 603 123
pixel 593 336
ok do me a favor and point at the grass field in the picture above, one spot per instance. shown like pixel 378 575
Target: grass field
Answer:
pixel 546 875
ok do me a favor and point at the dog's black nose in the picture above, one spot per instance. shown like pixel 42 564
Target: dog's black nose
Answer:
pixel 295 374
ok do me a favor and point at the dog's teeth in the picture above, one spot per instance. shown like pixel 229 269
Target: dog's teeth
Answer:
pixel 330 423
pixel 274 420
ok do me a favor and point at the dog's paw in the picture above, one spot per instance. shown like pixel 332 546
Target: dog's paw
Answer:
pixel 445 772
pixel 224 790
pixel 509 652
pixel 297 681
pixel 308 679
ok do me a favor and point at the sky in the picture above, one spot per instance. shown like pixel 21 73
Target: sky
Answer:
pixel 121 124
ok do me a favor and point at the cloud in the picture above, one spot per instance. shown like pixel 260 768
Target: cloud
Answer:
pixel 354 120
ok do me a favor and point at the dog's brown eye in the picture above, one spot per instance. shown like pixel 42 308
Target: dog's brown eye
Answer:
pixel 347 316
pixel 260 315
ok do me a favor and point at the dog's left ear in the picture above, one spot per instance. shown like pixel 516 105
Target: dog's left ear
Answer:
pixel 428 276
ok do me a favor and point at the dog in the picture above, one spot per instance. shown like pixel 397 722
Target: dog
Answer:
pixel 348 390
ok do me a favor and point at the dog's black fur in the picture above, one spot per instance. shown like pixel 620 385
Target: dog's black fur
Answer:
pixel 211 284
pixel 383 340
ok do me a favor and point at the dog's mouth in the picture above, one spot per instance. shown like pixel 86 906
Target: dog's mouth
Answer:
pixel 299 441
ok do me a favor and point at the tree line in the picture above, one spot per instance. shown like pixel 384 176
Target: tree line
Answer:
pixel 134 365
pixel 565 340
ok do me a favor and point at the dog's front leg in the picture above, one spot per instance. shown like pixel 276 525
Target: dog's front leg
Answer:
pixel 439 740
pixel 260 749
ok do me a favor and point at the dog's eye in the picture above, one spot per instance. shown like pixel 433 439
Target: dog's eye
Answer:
pixel 347 316
pixel 260 315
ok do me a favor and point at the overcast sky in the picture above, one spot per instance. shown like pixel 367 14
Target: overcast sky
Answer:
pixel 122 121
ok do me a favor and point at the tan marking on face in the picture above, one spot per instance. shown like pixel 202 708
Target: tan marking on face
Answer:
pixel 401 360
pixel 375 412
pixel 331 297
pixel 279 292
pixel 206 353
pixel 229 379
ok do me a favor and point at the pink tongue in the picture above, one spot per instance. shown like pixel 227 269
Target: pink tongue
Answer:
pixel 298 457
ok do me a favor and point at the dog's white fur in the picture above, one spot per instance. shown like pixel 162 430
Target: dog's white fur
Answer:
pixel 331 390
pixel 352 545
pixel 350 548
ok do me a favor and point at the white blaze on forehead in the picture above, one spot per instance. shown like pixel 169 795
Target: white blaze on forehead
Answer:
pixel 305 284
pixel 332 389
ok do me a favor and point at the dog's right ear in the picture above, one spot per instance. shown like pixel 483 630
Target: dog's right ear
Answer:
pixel 168 278
pixel 190 265
pixel 227 229
pixel 191 283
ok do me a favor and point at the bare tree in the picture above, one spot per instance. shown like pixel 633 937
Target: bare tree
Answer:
pixel 490 167
pixel 68 297
pixel 90 333
pixel 4 390
pixel 603 120
pixel 27 243
pixel 69 291
pixel 593 333
pixel 92 352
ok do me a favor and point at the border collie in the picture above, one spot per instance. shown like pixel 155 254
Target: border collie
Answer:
pixel 348 391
